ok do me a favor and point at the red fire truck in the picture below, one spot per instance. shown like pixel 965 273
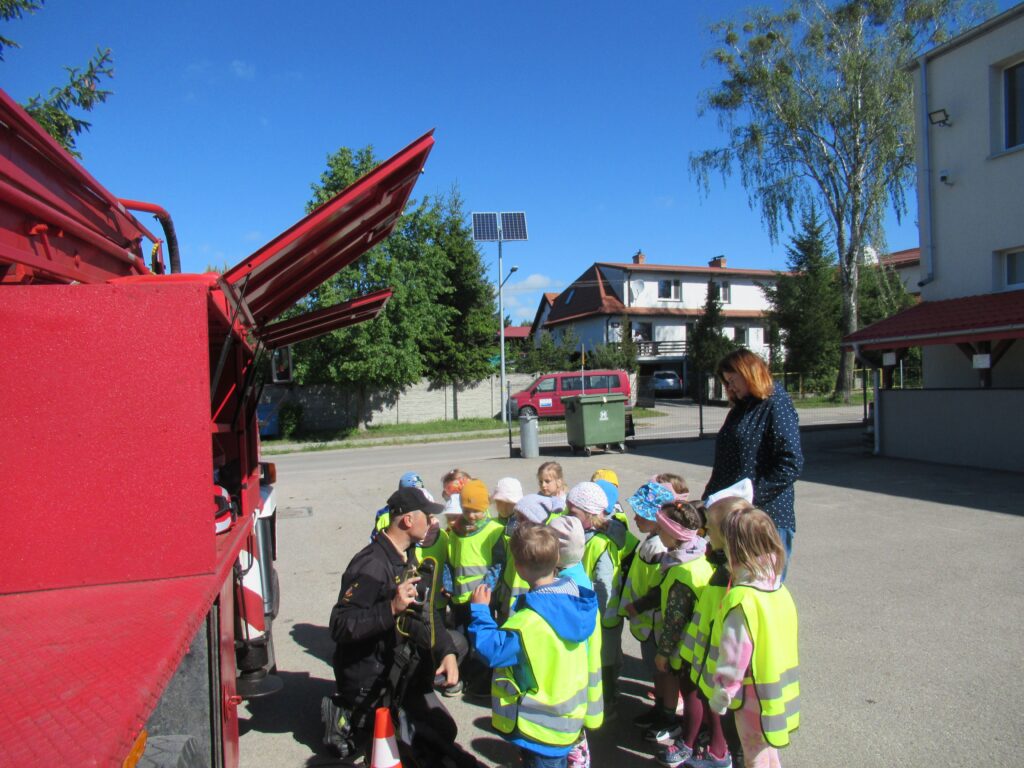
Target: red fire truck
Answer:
pixel 136 614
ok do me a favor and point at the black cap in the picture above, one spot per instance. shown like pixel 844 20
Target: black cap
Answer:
pixel 411 499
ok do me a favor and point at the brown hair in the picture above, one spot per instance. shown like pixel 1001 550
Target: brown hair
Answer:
pixel 752 368
pixel 682 512
pixel 535 549
pixel 676 481
pixel 752 542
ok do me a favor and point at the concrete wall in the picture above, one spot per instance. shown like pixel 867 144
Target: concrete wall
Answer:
pixel 976 215
pixel 947 366
pixel 326 407
pixel 975 428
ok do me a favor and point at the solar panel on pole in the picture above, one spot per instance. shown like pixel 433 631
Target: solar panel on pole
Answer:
pixel 485 226
pixel 513 226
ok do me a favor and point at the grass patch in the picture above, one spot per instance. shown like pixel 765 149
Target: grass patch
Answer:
pixel 647 413
pixel 827 401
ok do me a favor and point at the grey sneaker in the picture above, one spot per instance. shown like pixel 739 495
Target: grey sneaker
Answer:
pixel 708 761
pixel 674 754
pixel 448 691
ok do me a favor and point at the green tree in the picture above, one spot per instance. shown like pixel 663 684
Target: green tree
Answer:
pixel 551 355
pixel 709 344
pixel 459 351
pixel 805 305
pixel 385 354
pixel 817 106
pixel 82 92
pixel 882 293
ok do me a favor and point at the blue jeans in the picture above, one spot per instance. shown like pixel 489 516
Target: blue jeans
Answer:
pixel 786 534
pixel 533 760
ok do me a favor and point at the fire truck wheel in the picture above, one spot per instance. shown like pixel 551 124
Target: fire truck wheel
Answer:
pixel 275 603
pixel 173 752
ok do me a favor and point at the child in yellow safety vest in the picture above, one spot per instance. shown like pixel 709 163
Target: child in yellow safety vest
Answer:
pixel 531 509
pixel 686 571
pixel 476 555
pixel 754 643
pixel 693 647
pixel 541 688
pixel 640 599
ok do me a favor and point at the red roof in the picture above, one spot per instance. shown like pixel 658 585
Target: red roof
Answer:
pixel 517 331
pixel 988 317
pixel 898 259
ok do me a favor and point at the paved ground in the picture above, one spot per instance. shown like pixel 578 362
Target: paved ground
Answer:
pixel 906 576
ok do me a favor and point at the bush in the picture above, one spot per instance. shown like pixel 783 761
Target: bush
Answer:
pixel 289 418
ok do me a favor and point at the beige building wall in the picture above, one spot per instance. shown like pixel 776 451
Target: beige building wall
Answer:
pixel 976 212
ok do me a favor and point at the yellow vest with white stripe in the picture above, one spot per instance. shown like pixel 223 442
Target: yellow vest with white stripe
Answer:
pixel 642 578
pixel 774 664
pixel 611 617
pixel 595 685
pixel 553 711
pixel 470 557
pixel 517 586
pixel 695 575
pixel 694 648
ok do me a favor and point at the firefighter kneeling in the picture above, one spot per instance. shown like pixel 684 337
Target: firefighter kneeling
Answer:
pixel 391 643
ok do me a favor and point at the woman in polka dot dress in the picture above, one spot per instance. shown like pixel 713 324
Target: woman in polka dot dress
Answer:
pixel 760 439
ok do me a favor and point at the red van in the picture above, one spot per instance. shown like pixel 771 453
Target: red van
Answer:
pixel 544 396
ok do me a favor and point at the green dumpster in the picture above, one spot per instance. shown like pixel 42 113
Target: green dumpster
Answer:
pixel 595 420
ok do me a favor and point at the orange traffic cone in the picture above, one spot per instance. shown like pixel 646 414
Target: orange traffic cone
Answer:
pixel 385 746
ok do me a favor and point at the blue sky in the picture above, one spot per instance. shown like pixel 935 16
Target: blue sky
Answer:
pixel 581 114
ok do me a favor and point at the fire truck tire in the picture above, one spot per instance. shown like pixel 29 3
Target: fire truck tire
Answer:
pixel 173 752
pixel 275 604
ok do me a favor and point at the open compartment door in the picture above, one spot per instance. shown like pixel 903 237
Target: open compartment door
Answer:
pixel 314 324
pixel 334 235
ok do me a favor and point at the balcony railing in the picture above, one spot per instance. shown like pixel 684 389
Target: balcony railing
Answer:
pixel 660 348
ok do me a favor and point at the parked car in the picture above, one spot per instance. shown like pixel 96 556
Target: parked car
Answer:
pixel 544 396
pixel 666 383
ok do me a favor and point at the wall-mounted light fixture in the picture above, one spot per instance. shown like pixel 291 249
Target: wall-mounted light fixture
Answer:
pixel 939 117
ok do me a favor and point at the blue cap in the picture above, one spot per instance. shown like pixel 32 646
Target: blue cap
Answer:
pixel 649 498
pixel 611 492
pixel 411 480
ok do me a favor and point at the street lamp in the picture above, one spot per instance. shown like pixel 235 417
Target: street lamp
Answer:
pixel 501 321
pixel 490 227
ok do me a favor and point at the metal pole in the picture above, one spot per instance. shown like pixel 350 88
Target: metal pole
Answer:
pixel 501 324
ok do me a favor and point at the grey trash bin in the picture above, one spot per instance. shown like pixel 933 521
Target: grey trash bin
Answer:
pixel 528 436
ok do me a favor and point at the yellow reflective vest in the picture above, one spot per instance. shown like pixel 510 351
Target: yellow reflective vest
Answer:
pixel 642 578
pixel 771 619
pixel 470 557
pixel 514 585
pixel 695 575
pixel 554 710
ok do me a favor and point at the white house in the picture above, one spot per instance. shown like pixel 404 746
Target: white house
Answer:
pixel 969 95
pixel 662 303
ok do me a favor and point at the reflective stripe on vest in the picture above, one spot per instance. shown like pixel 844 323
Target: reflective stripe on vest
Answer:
pixel 595 689
pixel 553 711
pixel 642 578
pixel 516 585
pixel 470 557
pixel 694 648
pixel 774 664
pixel 695 575
pixel 611 617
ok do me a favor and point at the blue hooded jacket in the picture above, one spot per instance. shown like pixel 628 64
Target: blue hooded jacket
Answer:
pixel 572 618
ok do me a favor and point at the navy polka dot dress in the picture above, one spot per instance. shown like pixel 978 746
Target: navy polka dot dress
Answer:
pixel 760 439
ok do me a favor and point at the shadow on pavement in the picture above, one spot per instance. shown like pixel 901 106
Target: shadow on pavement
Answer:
pixel 295 710
pixel 316 641
pixel 841 457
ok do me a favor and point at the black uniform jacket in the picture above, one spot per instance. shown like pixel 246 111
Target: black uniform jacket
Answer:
pixel 364 629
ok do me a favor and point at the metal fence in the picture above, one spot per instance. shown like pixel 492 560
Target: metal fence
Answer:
pixel 658 414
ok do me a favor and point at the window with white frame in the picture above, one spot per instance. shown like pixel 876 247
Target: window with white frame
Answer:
pixel 1015 269
pixel 1013 104
pixel 724 291
pixel 740 336
pixel 669 290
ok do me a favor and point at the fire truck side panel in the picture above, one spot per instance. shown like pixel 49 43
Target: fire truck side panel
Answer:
pixel 107 447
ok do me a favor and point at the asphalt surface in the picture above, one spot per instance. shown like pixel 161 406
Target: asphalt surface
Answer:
pixel 907 578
